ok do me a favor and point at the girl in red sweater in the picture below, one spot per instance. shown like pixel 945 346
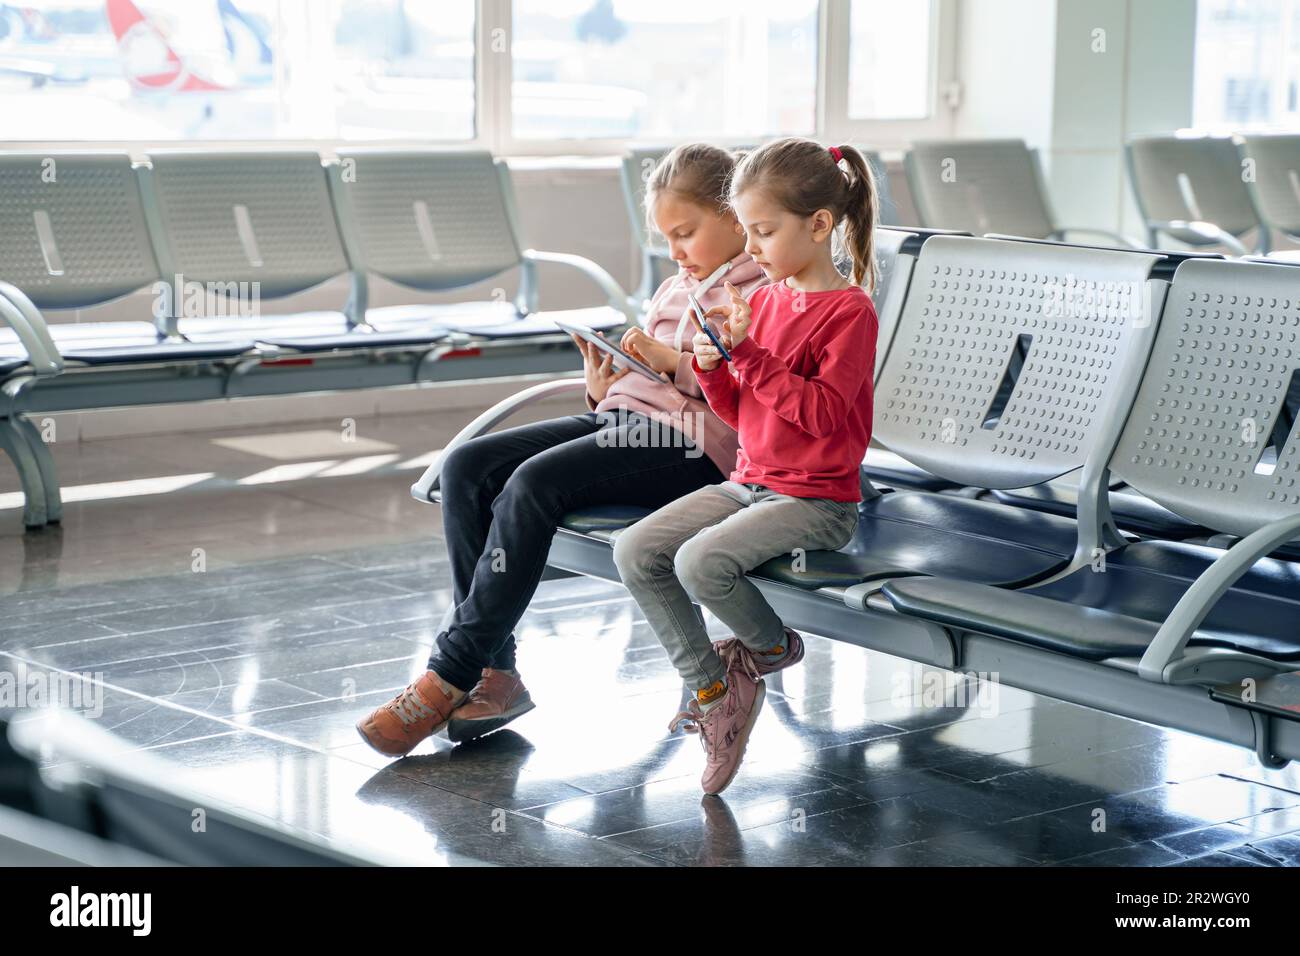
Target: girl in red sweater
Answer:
pixel 797 388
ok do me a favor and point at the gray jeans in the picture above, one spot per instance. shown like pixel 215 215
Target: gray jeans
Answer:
pixel 699 547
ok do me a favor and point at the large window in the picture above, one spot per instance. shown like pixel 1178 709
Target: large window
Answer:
pixel 237 69
pixel 890 60
pixel 1247 65
pixel 663 69
pixel 513 76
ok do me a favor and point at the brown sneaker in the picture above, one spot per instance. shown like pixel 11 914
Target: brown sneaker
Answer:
pixel 495 700
pixel 792 648
pixel 419 711
pixel 724 729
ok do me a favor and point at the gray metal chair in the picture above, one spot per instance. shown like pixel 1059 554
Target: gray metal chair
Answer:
pixel 656 263
pixel 437 220
pixel 986 186
pixel 1211 437
pixel 1193 190
pixel 72 236
pixel 1274 183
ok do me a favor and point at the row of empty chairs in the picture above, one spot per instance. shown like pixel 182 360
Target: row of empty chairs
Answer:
pixel 1206 191
pixel 1156 379
pixel 214 238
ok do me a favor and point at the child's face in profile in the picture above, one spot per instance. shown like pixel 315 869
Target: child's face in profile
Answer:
pixel 699 239
pixel 782 243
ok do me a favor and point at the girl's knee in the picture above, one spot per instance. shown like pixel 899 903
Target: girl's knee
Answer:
pixel 632 553
pixel 704 571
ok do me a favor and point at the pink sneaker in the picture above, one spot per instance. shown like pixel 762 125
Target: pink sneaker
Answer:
pixel 793 647
pixel 724 729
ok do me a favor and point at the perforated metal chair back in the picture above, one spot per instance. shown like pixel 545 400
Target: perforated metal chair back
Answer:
pixel 1006 355
pixel 1200 179
pixel 243 217
pixel 428 219
pixel 979 186
pixel 1212 432
pixel 637 165
pixel 72 228
pixel 1274 180
pixel 894 270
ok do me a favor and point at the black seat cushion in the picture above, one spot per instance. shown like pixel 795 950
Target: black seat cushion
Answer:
pixel 1132 511
pixel 601 319
pixel 603 518
pixel 917 532
pixel 114 343
pixel 1116 612
pixel 355 340
pixel 156 352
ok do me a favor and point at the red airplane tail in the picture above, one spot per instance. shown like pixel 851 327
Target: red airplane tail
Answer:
pixel 151 63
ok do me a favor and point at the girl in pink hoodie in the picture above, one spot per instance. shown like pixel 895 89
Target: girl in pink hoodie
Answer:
pixel 642 443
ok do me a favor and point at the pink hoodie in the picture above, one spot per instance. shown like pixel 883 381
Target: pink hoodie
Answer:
pixel 682 404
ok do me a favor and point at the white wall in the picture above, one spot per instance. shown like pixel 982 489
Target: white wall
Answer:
pixel 1005 56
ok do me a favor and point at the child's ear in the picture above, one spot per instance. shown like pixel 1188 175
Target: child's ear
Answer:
pixel 823 224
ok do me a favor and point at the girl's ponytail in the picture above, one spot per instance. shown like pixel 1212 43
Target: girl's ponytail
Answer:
pixel 861 213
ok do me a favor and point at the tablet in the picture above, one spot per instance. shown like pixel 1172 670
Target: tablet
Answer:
pixel 620 357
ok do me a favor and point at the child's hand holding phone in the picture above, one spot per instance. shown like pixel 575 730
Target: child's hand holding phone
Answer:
pixel 736 327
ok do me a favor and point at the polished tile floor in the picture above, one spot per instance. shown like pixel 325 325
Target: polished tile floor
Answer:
pixel 242 620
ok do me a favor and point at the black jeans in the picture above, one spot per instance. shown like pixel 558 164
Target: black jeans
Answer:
pixel 503 496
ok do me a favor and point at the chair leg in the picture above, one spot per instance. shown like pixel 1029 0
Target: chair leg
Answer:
pixel 49 475
pixel 15 444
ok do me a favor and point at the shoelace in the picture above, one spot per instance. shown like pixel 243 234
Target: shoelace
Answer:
pixel 410 706
pixel 693 718
pixel 738 656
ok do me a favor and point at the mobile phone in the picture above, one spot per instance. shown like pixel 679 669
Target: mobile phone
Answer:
pixel 703 326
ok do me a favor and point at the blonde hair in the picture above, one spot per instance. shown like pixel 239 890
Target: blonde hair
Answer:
pixel 804 176
pixel 696 172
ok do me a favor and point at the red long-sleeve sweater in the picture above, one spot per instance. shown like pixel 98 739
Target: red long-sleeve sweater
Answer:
pixel 799 391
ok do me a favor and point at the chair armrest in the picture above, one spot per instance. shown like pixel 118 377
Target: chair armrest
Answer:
pixel 1115 237
pixel 422 491
pixel 1206 230
pixel 19 313
pixel 616 296
pixel 1167 646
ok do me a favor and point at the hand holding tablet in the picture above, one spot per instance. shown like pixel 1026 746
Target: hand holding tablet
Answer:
pixel 619 357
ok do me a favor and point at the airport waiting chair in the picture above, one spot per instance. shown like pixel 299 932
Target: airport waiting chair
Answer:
pixel 656 261
pixel 1210 436
pixel 269 217
pixel 443 220
pixel 1274 185
pixel 986 186
pixel 72 236
pixel 81 229
pixel 1193 190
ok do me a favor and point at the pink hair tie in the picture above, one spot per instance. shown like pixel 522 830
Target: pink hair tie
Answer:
pixel 836 154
